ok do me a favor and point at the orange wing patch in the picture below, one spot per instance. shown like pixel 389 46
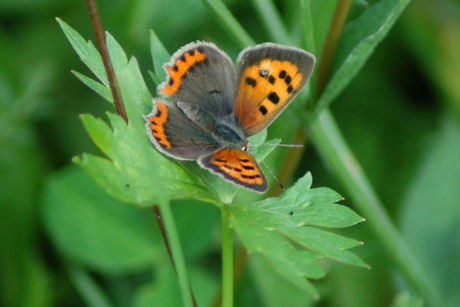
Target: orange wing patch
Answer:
pixel 180 67
pixel 237 166
pixel 264 91
pixel 157 125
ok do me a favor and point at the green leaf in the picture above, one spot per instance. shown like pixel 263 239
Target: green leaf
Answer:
pixel 136 96
pixel 160 56
pixel 358 41
pixel 86 51
pixel 136 172
pixel 406 299
pixel 99 88
pixel 273 288
pixel 431 217
pixel 276 227
pixel 92 228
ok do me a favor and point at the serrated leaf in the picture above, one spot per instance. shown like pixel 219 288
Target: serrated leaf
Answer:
pixel 86 51
pixel 275 228
pixel 160 56
pixel 357 43
pixel 99 88
pixel 292 264
pixel 134 91
pixel 116 53
pixel 136 172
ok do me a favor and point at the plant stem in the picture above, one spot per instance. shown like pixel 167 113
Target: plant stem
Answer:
pixel 333 147
pixel 161 226
pixel 87 287
pixel 177 255
pixel 227 260
pixel 169 227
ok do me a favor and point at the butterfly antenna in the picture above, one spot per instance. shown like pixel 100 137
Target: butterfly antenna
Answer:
pixel 283 145
pixel 269 169
pixel 273 175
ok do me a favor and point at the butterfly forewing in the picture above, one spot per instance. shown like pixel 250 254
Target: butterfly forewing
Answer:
pixel 201 74
pixel 270 76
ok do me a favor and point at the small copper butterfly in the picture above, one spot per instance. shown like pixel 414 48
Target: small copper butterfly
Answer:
pixel 215 108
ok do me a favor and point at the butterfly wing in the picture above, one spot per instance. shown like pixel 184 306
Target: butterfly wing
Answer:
pixel 270 76
pixel 174 134
pixel 201 74
pixel 237 166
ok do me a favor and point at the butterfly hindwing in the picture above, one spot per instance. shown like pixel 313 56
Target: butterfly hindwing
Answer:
pixel 176 135
pixel 201 74
pixel 237 166
pixel 270 76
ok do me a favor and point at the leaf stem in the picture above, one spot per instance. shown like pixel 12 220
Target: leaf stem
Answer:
pixel 177 255
pixel 227 260
pixel 333 147
pixel 307 21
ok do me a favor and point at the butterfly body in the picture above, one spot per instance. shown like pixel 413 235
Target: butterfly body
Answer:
pixel 215 108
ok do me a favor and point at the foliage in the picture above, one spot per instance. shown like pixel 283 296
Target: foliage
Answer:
pixel 64 241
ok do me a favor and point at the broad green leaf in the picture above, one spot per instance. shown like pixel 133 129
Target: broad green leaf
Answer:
pixel 358 41
pixel 92 228
pixel 271 227
pixel 273 288
pixel 407 299
pixel 24 162
pixel 163 291
pixel 431 216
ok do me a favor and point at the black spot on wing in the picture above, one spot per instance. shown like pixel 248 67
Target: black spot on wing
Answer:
pixel 273 97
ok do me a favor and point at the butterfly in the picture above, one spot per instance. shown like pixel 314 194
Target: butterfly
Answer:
pixel 215 108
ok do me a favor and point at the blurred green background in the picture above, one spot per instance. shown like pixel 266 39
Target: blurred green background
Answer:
pixel 400 116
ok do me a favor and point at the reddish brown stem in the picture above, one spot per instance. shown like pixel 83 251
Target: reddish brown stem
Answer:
pixel 156 210
pixel 99 33
pixel 340 16
pixel 120 107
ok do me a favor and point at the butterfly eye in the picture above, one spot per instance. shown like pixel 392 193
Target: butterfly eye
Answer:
pixel 246 147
